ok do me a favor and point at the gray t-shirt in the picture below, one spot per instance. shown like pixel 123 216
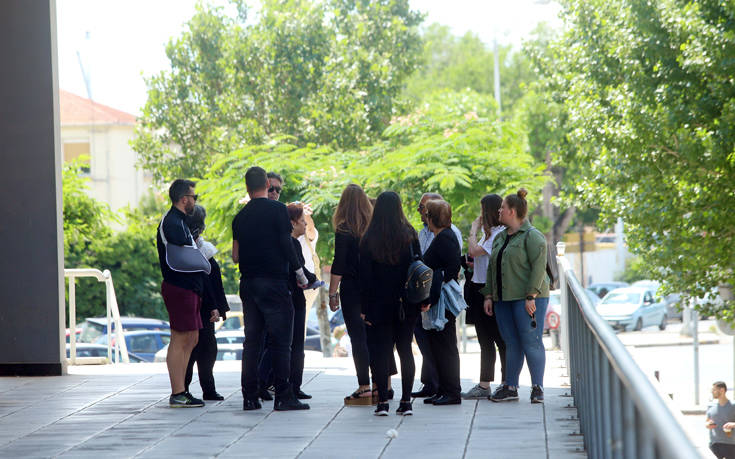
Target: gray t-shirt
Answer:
pixel 721 414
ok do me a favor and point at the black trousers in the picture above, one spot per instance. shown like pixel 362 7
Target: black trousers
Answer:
pixel 268 308
pixel 444 347
pixel 488 334
pixel 381 338
pixel 429 374
pixel 204 354
pixel 265 367
pixel 723 450
pixel 349 295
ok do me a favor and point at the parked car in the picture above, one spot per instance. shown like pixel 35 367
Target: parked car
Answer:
pixel 99 350
pixel 552 320
pixel 235 321
pixel 230 337
pixel 602 288
pixel 672 300
pixel 94 327
pixel 144 343
pixel 229 346
pixel 632 308
pixel 335 319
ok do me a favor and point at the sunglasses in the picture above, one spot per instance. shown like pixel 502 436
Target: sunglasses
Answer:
pixel 195 196
pixel 533 320
pixel 274 189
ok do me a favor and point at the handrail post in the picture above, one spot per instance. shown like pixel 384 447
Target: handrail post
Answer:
pixel 72 320
pixel 564 299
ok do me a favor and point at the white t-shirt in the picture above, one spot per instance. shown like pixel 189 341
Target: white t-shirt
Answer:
pixel 308 256
pixel 481 261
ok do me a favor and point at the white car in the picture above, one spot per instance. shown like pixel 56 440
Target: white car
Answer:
pixel 229 346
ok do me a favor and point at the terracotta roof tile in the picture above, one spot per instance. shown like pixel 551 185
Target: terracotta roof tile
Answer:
pixel 81 111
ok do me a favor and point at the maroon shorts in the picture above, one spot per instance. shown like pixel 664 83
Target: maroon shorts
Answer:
pixel 183 307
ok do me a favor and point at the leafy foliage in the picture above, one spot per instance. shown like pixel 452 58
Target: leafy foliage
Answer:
pixel 452 145
pixel 130 255
pixel 320 72
pixel 648 87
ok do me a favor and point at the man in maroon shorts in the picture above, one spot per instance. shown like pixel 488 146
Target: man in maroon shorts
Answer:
pixel 181 291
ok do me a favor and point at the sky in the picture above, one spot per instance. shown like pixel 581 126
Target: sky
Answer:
pixel 121 41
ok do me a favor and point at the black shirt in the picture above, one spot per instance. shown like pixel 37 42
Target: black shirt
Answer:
pixel 443 257
pixel 498 274
pixel 177 233
pixel 346 255
pixel 297 293
pixel 382 286
pixel 214 295
pixel 263 231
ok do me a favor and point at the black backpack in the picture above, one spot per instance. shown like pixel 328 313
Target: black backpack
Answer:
pixel 418 280
pixel 552 269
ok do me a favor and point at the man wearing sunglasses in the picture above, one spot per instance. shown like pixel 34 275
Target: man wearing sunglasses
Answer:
pixel 181 290
pixel 275 186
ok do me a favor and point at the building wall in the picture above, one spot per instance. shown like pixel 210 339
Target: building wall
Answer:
pixel 114 177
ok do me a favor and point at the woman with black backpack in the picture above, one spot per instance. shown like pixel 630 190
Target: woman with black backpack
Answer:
pixel 387 249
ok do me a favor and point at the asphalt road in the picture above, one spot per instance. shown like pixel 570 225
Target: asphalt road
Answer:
pixel 675 365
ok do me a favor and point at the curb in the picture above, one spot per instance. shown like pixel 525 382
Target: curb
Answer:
pixel 674 343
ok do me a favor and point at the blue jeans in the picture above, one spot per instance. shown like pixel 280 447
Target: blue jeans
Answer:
pixel 521 340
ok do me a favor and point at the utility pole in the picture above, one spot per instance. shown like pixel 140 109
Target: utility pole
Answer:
pixel 496 73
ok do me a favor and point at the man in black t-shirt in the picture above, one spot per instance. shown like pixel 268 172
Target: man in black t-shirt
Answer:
pixel 262 246
pixel 181 291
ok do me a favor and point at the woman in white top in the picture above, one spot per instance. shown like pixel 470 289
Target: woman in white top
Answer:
pixel 487 328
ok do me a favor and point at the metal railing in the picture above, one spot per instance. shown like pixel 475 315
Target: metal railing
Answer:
pixel 621 414
pixel 113 313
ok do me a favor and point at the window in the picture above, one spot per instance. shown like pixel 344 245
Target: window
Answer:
pixel 143 344
pixel 74 150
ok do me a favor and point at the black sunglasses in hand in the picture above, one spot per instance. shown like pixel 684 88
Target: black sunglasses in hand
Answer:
pixel 533 320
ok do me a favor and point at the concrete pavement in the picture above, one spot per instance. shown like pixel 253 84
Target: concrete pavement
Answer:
pixel 122 411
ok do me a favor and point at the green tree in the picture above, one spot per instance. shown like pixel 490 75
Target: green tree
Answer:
pixel 453 145
pixel 457 63
pixel 648 88
pixel 322 72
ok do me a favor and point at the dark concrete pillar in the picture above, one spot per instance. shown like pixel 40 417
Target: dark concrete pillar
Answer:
pixel 31 259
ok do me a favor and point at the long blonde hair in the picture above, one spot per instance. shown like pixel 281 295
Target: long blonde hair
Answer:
pixel 353 212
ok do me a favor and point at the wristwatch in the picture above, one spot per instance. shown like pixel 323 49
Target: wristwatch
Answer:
pixel 530 298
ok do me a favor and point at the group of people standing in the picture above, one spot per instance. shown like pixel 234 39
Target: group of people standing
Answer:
pixel 506 288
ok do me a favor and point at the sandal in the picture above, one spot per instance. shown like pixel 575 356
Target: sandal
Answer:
pixel 358 398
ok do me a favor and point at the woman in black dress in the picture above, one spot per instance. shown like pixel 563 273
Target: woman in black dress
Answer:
pixel 385 254
pixel 350 221
pixel 443 257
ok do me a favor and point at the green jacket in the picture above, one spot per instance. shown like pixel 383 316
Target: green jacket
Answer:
pixel 523 267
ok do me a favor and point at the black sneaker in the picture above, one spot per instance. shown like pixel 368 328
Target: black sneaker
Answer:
pixel 504 394
pixel 251 404
pixel 424 392
pixel 301 395
pixel 430 400
pixel 290 403
pixel 184 400
pixel 382 409
pixel 212 396
pixel 537 394
pixel 404 409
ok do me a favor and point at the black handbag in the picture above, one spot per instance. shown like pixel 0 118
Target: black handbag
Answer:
pixel 418 280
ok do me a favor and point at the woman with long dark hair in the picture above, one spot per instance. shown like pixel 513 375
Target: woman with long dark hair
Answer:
pixel 486 326
pixel 385 253
pixel 350 220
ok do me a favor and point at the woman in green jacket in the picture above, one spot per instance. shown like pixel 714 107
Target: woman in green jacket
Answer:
pixel 517 292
